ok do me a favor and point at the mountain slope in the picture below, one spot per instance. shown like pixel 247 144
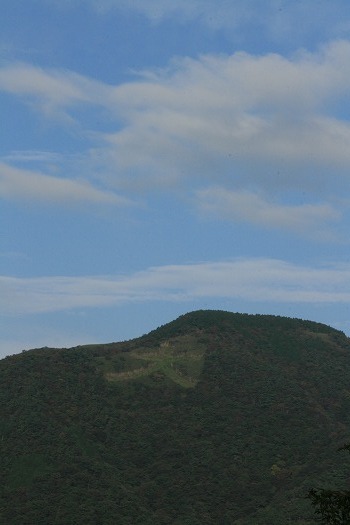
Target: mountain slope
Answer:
pixel 215 418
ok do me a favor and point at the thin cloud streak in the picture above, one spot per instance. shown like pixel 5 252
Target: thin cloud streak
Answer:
pixel 51 91
pixel 254 208
pixel 210 12
pixel 21 156
pixel 20 184
pixel 276 20
pixel 258 280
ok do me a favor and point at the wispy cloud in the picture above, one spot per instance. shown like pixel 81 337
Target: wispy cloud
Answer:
pixel 254 208
pixel 52 91
pixel 238 121
pixel 279 19
pixel 24 156
pixel 221 114
pixel 264 280
pixel 237 107
pixel 157 10
pixel 32 186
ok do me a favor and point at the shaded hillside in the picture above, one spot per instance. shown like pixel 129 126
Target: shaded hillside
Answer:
pixel 213 419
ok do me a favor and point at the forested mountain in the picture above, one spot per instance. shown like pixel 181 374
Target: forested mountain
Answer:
pixel 213 419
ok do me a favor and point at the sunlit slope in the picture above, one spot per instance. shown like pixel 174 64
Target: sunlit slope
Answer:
pixel 214 418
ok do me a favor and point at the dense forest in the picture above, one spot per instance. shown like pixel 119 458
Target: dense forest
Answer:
pixel 213 419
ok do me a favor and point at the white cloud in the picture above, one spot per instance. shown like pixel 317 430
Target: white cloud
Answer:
pixel 32 186
pixel 240 121
pixel 234 112
pixel 224 109
pixel 253 208
pixel 51 90
pixel 258 280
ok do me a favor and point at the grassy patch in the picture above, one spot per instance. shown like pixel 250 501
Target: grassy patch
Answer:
pixel 179 359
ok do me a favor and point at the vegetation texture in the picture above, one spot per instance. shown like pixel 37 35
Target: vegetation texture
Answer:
pixel 214 419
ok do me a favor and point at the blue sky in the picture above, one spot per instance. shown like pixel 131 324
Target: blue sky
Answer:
pixel 161 156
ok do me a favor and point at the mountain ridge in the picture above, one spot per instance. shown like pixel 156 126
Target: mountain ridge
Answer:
pixel 214 418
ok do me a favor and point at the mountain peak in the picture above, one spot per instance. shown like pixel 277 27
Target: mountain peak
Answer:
pixel 215 417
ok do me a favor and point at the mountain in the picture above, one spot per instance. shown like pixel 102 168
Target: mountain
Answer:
pixel 216 418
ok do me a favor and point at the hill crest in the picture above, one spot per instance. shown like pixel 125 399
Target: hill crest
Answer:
pixel 213 418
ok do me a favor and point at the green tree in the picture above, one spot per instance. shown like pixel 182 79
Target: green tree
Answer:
pixel 332 507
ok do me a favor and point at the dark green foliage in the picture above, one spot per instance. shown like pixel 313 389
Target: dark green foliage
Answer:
pixel 214 419
pixel 332 507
